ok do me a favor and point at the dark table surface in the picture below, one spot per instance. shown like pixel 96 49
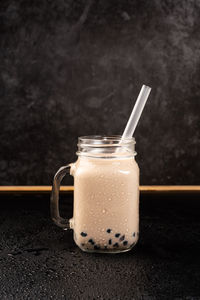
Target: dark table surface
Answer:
pixel 40 261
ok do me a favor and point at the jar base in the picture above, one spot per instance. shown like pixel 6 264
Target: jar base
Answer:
pixel 108 251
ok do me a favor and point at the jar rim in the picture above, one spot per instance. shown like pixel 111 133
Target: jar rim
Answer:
pixel 98 140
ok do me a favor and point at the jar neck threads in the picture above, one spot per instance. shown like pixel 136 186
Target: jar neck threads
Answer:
pixel 106 146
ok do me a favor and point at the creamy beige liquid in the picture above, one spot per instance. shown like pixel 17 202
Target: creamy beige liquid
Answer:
pixel 106 203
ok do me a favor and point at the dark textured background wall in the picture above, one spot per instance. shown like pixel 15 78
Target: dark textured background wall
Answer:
pixel 71 68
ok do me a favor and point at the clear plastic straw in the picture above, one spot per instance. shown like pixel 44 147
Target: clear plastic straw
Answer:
pixel 136 112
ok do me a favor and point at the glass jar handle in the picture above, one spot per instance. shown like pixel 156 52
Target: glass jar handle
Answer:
pixel 54 204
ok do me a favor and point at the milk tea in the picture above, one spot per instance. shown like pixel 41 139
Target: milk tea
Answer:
pixel 106 203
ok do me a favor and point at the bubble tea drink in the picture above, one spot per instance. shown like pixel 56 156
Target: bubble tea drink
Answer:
pixel 106 195
pixel 106 189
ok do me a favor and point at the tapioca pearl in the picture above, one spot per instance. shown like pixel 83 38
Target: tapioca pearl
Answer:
pixel 117 235
pixel 96 247
pixel 82 244
pixel 125 243
pixel 91 241
pixel 133 234
pixel 116 245
pixel 110 242
pixel 108 230
pixel 84 234
pixel 122 238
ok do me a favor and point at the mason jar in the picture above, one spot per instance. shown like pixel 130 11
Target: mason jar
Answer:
pixel 106 195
